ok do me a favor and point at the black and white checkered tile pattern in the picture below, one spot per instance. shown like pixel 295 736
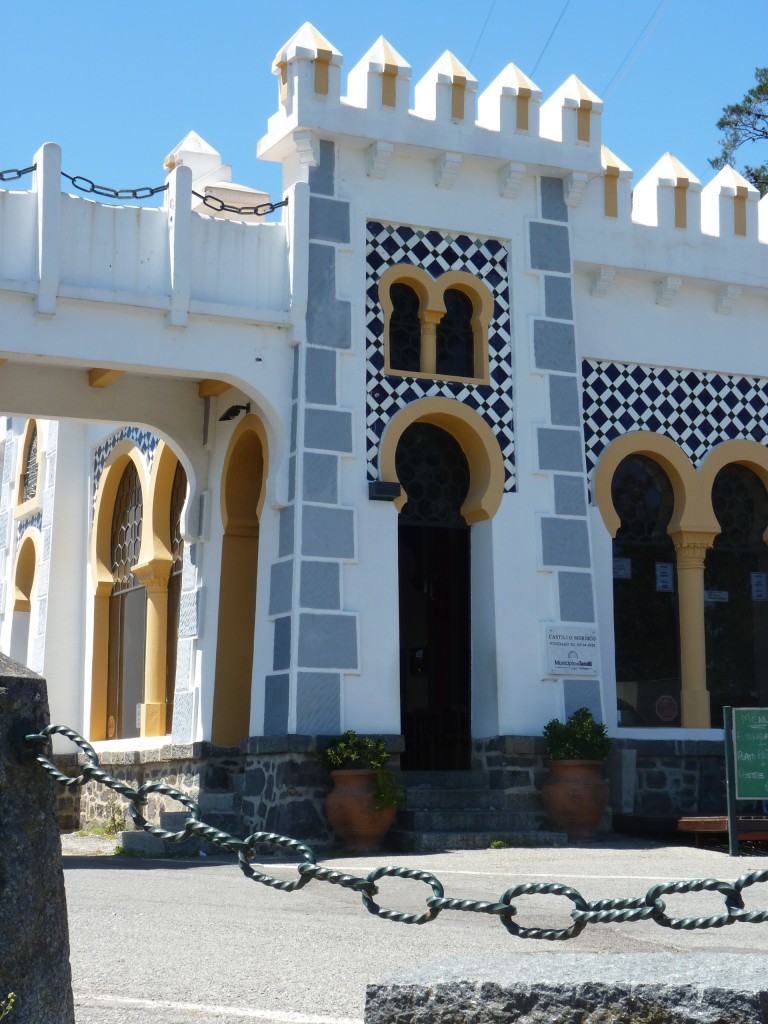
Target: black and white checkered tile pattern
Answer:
pixel 144 440
pixel 387 394
pixel 34 521
pixel 697 410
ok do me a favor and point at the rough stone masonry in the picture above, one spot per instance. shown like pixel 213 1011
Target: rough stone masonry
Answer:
pixel 34 937
pixel 568 988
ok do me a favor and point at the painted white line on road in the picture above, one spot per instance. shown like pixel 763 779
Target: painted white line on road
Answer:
pixel 93 1000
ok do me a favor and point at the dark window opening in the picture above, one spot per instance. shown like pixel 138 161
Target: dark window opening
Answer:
pixel 29 481
pixel 404 330
pixel 736 594
pixel 455 337
pixel 645 604
pixel 178 497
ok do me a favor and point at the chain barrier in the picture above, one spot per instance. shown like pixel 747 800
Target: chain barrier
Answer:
pixel 650 907
pixel 213 203
pixel 83 184
pixel 14 173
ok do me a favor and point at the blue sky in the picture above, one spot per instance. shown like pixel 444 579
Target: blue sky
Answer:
pixel 118 85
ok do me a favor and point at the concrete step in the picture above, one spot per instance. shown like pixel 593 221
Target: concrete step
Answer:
pixel 213 801
pixel 434 842
pixel 144 844
pixel 474 779
pixel 417 798
pixel 467 821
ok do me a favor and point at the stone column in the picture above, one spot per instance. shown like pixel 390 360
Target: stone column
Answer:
pixel 691 549
pixel 34 938
pixel 429 321
pixel 154 578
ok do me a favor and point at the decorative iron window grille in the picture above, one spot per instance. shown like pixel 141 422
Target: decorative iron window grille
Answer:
pixel 434 474
pixel 643 498
pixel 178 497
pixel 29 480
pixel 740 501
pixel 126 530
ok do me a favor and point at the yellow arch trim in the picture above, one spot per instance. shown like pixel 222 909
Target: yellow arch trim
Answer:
pixel 25 571
pixel 101 543
pixel 23 508
pixel 751 454
pixel 248 424
pixel 690 512
pixel 431 294
pixel 477 440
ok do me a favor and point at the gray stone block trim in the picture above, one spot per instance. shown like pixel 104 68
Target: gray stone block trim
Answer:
pixel 560 449
pixel 320 380
pixel 281 587
pixel 565 542
pixel 320 585
pixel 576 601
pixel 321 474
pixel 295 377
pixel 294 425
pixel 578 988
pixel 328 219
pixel 286 531
pixel 558 302
pixel 552 199
pixel 329 320
pixel 182 730
pixel 554 346
pixel 329 430
pixel 570 497
pixel 564 408
pixel 321 178
pixel 292 478
pixel 281 654
pixel 582 693
pixel 276 689
pixel 183 681
pixel 318 703
pixel 328 641
pixel 188 613
pixel 550 248
pixel 328 532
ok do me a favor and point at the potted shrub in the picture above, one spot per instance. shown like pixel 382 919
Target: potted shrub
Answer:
pixel 575 795
pixel 365 794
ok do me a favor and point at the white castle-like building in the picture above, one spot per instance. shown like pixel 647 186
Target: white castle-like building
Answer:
pixel 472 436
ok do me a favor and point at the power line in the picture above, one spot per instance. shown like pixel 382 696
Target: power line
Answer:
pixel 551 34
pixel 482 30
pixel 658 10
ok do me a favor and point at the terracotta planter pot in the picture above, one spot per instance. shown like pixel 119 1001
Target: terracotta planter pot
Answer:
pixel 575 797
pixel 352 812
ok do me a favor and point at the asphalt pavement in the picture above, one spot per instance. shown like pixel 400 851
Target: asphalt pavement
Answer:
pixel 180 941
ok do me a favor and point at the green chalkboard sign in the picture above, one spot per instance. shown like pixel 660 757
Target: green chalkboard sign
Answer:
pixel 750 751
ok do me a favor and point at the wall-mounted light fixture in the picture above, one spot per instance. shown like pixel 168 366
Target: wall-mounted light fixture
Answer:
pixel 234 411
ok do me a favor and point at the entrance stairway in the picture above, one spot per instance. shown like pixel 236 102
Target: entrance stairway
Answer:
pixel 457 810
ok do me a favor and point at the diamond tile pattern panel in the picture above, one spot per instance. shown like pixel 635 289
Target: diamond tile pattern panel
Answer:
pixel 697 410
pixel 144 440
pixel 27 523
pixel 387 394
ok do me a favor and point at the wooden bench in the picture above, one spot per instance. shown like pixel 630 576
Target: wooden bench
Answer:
pixel 643 824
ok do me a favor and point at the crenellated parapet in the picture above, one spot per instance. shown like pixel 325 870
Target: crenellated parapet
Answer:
pixel 447 118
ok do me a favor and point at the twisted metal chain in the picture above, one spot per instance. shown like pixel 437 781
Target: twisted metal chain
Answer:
pixel 90 187
pixel 650 907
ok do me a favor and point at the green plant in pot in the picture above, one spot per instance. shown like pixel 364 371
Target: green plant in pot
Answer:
pixel 365 795
pixel 575 795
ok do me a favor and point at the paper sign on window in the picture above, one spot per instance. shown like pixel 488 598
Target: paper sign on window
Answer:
pixel 622 568
pixel 665 577
pixel 759 586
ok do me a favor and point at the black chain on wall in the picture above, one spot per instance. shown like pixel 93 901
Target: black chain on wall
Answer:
pixel 84 184
pixel 650 907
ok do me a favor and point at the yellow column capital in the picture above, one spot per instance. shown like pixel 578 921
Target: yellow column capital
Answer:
pixel 153 575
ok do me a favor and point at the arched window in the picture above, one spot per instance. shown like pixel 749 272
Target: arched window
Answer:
pixel 178 497
pixel 404 330
pixel 434 473
pixel 644 596
pixel 127 611
pixel 455 337
pixel 736 593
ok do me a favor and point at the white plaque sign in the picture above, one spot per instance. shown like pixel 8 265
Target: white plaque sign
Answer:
pixel 571 650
